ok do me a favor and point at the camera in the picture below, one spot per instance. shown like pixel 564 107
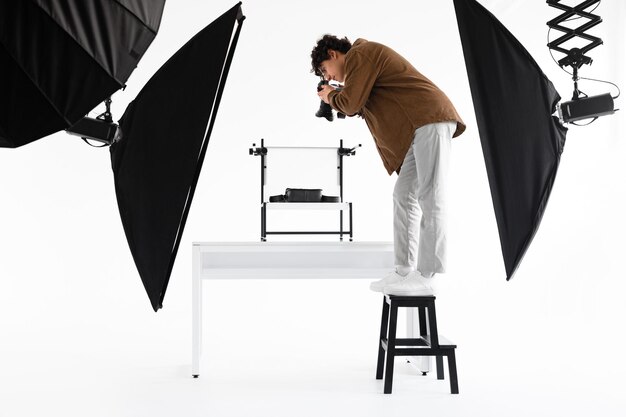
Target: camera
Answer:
pixel 325 110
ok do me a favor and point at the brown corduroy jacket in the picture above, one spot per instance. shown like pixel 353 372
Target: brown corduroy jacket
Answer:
pixel 392 97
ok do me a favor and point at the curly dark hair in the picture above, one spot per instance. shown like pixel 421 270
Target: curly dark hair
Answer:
pixel 320 51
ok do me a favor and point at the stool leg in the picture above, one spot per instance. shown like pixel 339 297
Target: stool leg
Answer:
pixel 440 367
pixel 422 320
pixel 391 348
pixel 424 361
pixel 454 383
pixel 432 326
pixel 383 334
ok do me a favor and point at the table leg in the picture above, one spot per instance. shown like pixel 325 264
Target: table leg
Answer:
pixel 196 312
pixel 421 363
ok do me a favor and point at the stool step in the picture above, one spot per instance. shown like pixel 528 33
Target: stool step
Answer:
pixel 409 297
pixel 418 350
pixel 412 342
pixel 443 342
pixel 423 341
pixel 410 301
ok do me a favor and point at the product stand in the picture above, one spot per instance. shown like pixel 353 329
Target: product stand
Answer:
pixel 262 151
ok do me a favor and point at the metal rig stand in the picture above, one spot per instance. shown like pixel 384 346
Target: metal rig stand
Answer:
pixel 341 206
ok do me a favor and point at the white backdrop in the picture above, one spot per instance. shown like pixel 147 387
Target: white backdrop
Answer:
pixel 68 285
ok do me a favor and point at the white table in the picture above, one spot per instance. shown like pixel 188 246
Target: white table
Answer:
pixel 293 260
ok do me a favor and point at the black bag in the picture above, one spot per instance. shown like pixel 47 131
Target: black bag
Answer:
pixel 303 195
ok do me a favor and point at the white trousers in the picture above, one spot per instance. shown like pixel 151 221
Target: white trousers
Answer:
pixel 419 201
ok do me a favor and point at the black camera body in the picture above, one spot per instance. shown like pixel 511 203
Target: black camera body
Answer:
pixel 325 110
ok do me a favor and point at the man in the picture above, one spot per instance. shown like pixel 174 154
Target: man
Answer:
pixel 412 122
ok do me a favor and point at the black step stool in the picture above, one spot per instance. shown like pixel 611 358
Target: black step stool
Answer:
pixel 430 343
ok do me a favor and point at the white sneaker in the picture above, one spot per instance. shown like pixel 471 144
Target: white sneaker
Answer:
pixel 414 284
pixel 391 278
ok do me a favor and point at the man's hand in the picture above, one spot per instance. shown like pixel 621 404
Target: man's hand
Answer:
pixel 323 93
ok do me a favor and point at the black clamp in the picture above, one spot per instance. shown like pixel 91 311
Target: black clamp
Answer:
pixel 257 151
pixel 347 151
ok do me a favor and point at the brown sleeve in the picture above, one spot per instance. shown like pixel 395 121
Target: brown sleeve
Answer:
pixel 360 75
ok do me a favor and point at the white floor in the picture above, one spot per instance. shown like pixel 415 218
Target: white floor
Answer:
pixel 301 350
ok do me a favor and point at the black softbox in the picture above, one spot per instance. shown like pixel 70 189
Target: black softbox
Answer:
pixel 165 133
pixel 521 140
pixel 60 59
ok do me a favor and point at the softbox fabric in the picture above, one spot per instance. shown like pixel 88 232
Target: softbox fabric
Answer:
pixel 521 140
pixel 156 162
pixel 60 59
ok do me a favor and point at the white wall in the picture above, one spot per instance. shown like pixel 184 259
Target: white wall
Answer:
pixel 65 263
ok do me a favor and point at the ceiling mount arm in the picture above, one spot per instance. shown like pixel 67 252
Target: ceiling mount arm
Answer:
pixel 575 57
